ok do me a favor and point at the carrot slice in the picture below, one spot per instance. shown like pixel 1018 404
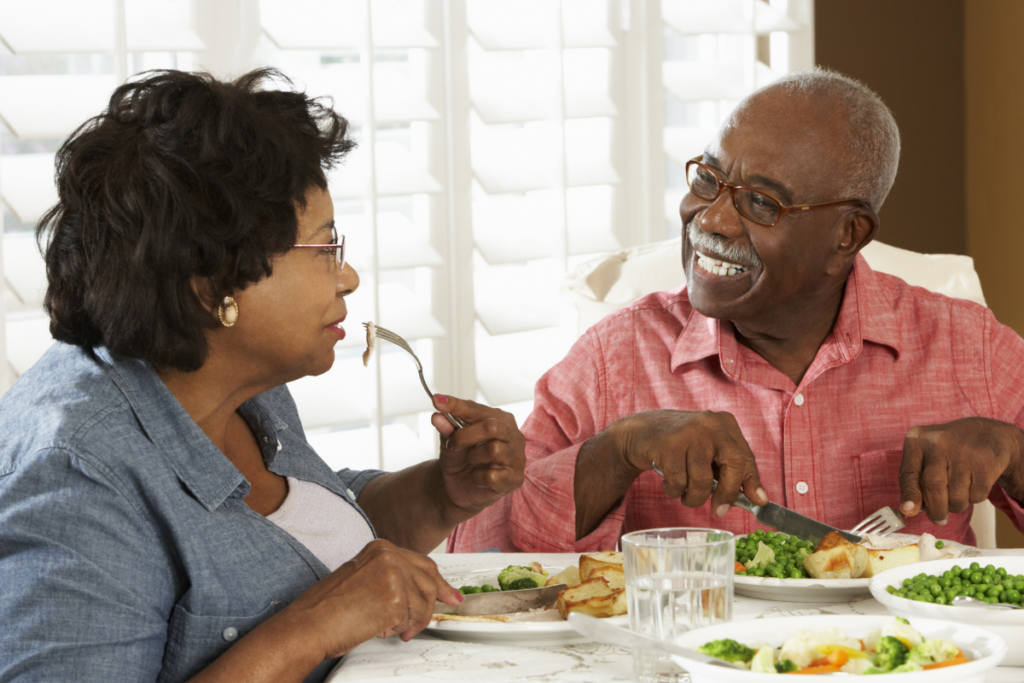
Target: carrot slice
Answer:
pixel 835 658
pixel 827 669
pixel 739 567
pixel 949 662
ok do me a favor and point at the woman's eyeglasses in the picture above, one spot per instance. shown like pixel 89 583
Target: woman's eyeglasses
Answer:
pixel 337 250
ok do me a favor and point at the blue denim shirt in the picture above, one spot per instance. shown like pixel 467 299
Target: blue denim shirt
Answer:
pixel 126 550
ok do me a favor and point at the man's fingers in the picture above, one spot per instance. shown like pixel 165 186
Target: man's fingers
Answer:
pixel 699 478
pixel 934 484
pixel 730 478
pixel 674 476
pixel 910 476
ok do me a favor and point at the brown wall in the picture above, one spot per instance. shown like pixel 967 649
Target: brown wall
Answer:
pixel 953 74
pixel 911 53
pixel 994 68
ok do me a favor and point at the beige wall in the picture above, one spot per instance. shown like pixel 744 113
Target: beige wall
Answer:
pixel 952 71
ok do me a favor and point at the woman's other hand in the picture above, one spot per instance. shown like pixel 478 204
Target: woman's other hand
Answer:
pixel 384 590
pixel 484 460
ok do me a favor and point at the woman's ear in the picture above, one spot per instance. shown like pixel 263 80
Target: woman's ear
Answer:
pixel 854 232
pixel 204 293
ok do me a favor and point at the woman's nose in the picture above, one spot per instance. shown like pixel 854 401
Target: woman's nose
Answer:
pixel 348 280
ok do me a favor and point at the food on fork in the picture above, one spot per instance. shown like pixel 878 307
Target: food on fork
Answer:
pixel 371 341
pixel 836 558
pixel 588 563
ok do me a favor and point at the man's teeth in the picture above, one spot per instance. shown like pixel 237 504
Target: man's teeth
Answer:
pixel 713 265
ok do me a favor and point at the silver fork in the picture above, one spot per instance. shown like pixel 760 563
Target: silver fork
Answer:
pixel 388 335
pixel 882 522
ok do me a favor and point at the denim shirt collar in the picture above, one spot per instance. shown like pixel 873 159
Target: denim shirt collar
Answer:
pixel 199 464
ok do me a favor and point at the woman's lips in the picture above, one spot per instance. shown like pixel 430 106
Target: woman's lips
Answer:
pixel 337 329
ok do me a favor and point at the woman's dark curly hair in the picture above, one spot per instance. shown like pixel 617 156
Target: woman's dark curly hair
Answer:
pixel 181 176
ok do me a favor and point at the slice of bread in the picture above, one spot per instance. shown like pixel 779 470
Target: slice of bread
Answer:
pixel 589 563
pixel 615 576
pixel 880 560
pixel 594 597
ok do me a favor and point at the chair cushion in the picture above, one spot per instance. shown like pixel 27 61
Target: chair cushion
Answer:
pixel 602 285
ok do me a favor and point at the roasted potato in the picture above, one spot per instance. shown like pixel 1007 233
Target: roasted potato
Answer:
pixel 589 563
pixel 880 560
pixel 837 558
pixel 594 597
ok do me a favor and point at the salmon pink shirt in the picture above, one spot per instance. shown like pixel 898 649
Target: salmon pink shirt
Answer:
pixel 830 448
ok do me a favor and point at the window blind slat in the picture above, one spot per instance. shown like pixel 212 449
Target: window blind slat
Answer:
pixel 697 81
pixel 395 98
pixel 398 173
pixel 339 25
pixel 26 184
pixel 694 17
pixel 405 245
pixel 24 271
pixel 47 107
pixel 88 26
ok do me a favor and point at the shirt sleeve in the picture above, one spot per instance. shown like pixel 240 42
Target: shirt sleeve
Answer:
pixel 541 515
pixel 87 585
pixel 1006 387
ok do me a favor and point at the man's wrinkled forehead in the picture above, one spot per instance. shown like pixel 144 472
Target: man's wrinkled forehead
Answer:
pixel 783 143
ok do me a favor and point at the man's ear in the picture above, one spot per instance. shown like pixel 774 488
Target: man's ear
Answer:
pixel 854 232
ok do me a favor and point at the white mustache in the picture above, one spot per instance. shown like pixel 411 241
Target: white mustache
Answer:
pixel 716 243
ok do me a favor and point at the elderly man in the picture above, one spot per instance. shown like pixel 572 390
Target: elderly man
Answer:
pixel 785 368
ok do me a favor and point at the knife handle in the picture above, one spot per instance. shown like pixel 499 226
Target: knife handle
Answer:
pixel 741 500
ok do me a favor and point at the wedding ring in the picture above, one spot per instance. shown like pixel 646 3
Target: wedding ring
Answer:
pixel 657 469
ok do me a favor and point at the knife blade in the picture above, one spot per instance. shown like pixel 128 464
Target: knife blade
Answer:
pixel 803 527
pixel 783 519
pixel 505 602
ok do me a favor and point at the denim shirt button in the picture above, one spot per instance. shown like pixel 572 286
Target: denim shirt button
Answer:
pixel 230 634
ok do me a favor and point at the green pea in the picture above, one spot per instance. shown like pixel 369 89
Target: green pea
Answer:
pixel 989 570
pixel 975 566
pixel 940 600
pixel 977 577
pixel 939 544
pixel 956 569
pixel 970 591
pixel 488 588
pixel 945 582
pixel 1012 595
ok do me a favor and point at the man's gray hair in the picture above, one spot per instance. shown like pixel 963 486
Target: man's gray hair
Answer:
pixel 873 138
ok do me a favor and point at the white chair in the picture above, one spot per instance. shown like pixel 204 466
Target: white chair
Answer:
pixel 600 286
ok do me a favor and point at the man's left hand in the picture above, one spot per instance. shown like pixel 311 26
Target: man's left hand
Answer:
pixel 484 460
pixel 948 467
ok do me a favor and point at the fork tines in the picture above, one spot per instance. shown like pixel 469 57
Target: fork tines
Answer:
pixel 883 522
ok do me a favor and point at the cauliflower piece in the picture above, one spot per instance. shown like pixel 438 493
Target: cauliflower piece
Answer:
pixel 802 646
pixel 929 552
pixel 902 630
pixel 765 556
pixel 763 661
pixel 856 666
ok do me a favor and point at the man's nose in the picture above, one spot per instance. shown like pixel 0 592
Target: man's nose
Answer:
pixel 721 216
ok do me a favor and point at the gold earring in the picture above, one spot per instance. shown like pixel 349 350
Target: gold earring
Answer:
pixel 227 312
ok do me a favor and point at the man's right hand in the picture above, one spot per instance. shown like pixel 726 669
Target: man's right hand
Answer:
pixel 692 449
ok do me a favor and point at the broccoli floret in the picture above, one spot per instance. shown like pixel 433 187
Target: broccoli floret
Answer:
pixel 764 557
pixel 890 653
pixel 785 666
pixel 727 649
pixel 901 619
pixel 906 668
pixel 932 651
pixel 515 578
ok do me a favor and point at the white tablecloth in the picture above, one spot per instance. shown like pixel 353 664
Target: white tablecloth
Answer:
pixel 430 659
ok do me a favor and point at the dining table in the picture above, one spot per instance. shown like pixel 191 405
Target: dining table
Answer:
pixel 427 658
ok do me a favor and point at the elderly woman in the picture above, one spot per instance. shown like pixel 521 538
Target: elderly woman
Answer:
pixel 162 516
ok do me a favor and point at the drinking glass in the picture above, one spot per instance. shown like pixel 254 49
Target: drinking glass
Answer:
pixel 676 579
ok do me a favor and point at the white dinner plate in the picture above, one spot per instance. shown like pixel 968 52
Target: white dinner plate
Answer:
pixel 984 648
pixel 819 590
pixel 513 633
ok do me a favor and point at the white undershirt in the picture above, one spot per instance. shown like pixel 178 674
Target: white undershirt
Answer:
pixel 321 520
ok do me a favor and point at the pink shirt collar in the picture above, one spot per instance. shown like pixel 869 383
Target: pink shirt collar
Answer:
pixel 866 315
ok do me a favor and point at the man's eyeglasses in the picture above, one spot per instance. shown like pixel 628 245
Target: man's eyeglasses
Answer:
pixel 759 207
pixel 337 249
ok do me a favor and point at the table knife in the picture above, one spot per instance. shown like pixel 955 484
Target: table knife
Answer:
pixel 503 602
pixel 784 519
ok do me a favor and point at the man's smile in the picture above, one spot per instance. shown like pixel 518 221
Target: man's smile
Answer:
pixel 717 266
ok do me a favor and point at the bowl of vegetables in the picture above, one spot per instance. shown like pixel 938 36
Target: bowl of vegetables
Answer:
pixel 914 651
pixel 916 591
